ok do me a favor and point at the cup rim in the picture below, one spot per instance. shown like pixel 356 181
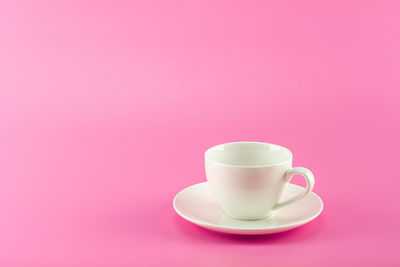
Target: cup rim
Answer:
pixel 252 166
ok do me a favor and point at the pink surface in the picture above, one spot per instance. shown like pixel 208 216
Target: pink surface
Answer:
pixel 106 108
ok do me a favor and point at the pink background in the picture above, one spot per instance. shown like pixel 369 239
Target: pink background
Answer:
pixel 106 108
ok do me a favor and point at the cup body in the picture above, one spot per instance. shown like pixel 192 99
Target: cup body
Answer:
pixel 247 178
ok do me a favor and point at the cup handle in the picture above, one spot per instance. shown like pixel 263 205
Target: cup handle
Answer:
pixel 307 174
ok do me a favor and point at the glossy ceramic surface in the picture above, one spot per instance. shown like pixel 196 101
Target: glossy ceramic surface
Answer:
pixel 248 179
pixel 197 205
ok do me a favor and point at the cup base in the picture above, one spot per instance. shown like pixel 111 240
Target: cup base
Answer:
pixel 249 219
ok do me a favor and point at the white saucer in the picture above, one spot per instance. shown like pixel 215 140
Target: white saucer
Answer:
pixel 196 205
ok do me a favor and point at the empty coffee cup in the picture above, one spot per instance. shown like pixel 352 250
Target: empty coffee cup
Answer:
pixel 248 178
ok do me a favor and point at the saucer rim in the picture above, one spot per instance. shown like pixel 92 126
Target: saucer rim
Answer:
pixel 212 226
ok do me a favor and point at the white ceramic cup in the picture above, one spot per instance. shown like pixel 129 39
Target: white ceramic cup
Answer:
pixel 248 178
